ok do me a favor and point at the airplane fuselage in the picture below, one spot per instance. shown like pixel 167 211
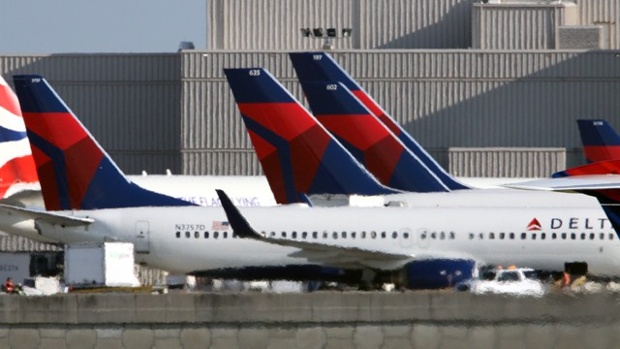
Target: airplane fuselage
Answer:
pixel 192 239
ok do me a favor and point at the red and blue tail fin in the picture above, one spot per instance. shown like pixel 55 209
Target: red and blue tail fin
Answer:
pixel 369 140
pixel 320 66
pixel 16 162
pixel 74 170
pixel 600 141
pixel 297 154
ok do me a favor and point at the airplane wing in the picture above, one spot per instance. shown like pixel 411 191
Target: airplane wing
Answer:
pixel 315 252
pixel 51 218
pixel 572 183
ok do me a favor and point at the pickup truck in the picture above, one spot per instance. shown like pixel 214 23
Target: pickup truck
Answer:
pixel 517 281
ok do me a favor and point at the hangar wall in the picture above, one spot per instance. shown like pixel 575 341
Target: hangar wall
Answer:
pixel 444 98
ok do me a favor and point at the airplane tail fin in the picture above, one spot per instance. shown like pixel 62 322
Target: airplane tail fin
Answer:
pixel 74 170
pixel 297 154
pixel 595 168
pixel 320 66
pixel 370 141
pixel 16 162
pixel 600 141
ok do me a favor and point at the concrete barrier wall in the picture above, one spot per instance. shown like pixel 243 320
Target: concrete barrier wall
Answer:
pixel 317 320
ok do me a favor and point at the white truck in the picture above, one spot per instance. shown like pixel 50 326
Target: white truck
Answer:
pixel 108 264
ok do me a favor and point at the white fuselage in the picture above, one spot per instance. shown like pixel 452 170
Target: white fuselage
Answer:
pixel 185 240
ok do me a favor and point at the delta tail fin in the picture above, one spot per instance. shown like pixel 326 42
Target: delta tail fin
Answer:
pixel 600 141
pixel 74 170
pixel 17 169
pixel 299 157
pixel 320 66
pixel 369 140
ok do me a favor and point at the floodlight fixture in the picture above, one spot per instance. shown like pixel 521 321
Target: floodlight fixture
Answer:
pixel 331 32
pixel 346 32
pixel 318 32
pixel 305 32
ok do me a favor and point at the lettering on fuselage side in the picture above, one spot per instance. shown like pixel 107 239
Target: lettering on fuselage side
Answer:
pixel 215 201
pixel 572 223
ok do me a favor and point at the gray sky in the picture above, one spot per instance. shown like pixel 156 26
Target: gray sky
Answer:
pixel 61 26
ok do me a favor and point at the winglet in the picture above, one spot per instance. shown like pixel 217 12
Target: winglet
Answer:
pixel 237 221
pixel 600 141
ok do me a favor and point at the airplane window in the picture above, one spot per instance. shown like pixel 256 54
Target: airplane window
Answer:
pixel 206 234
pixel 273 234
pixel 335 235
pixel 344 235
pixel 583 236
pixel 491 236
pixel 602 236
pixel 442 235
pixel 452 235
pixel 433 235
pixel 324 235
pixel 423 236
pixel 363 235
pixel 554 236
pixel 471 236
pixel 481 236
pixel 225 235
pixel 502 236
pixel 406 235
pixel 512 236
pixel 294 235
pixel 315 235
pixel 383 235
pixel 572 236
pixel 563 236
pixel 543 236
pixel 283 234
pixel 304 235
pixel 215 234
pixel 394 235
pixel 187 234
pixel 373 234
pixel 178 234
pixel 523 236
pixel 533 236
pixel 611 236
pixel 352 235
pixel 196 234
pixel 591 236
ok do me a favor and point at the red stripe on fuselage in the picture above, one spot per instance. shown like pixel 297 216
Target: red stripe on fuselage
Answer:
pixel 273 116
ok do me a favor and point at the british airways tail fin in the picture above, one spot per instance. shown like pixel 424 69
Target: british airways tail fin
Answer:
pixel 600 141
pixel 320 66
pixel 16 162
pixel 297 154
pixel 369 140
pixel 74 170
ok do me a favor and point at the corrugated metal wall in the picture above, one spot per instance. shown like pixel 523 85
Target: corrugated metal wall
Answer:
pixel 506 162
pixel 517 26
pixel 275 24
pixel 605 13
pixel 129 102
pixel 463 98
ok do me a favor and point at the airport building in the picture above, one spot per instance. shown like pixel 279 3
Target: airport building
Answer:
pixel 490 88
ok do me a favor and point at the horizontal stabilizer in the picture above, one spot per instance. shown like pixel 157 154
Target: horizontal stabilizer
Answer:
pixel 48 217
